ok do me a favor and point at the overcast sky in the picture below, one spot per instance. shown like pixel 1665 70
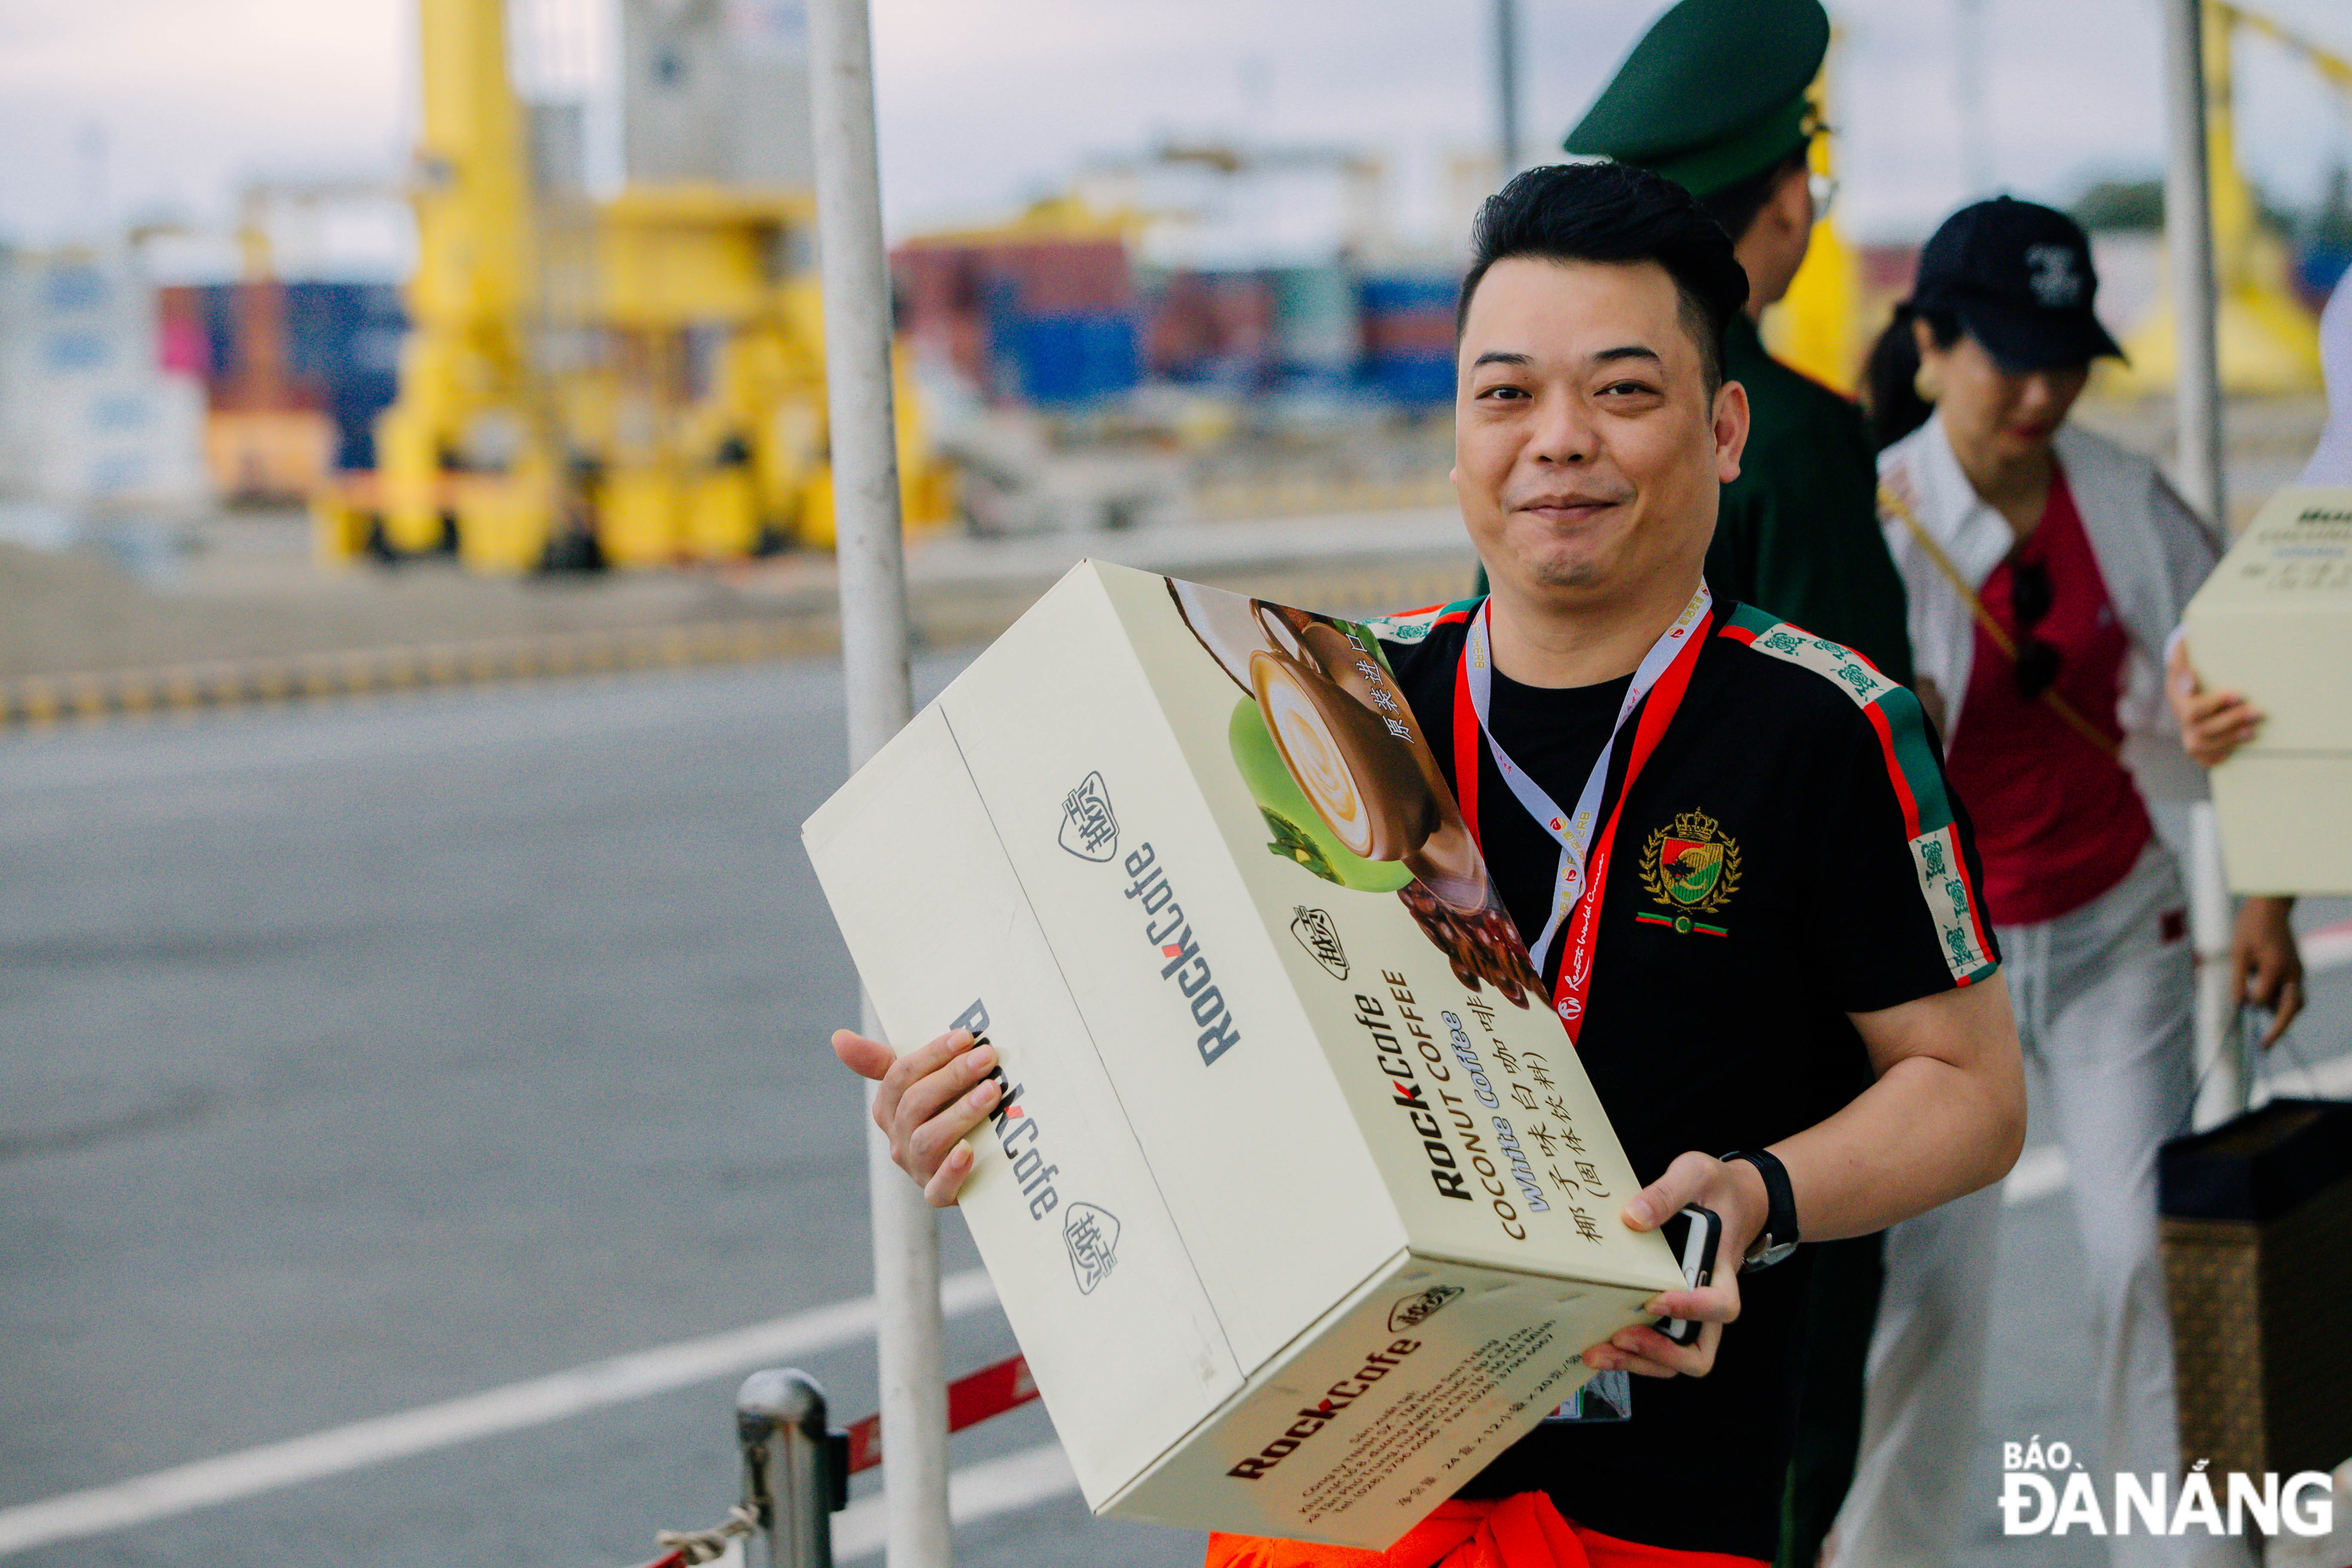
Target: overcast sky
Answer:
pixel 120 108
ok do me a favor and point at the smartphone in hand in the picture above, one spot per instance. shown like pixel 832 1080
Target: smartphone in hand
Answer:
pixel 1694 1234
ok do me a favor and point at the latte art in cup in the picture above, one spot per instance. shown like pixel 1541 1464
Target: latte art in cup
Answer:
pixel 1316 758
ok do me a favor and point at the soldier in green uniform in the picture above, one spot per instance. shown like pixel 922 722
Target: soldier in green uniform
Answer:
pixel 1713 98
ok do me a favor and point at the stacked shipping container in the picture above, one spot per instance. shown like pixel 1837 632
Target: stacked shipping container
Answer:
pixel 294 376
pixel 1216 328
pixel 1407 326
pixel 1063 322
pixel 1049 322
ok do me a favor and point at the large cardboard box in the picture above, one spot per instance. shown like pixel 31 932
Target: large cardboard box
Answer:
pixel 1299 1203
pixel 2274 622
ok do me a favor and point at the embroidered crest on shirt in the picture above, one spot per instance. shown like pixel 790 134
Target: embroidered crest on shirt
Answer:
pixel 1691 868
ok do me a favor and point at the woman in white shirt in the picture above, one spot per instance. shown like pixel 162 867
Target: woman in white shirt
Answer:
pixel 2046 568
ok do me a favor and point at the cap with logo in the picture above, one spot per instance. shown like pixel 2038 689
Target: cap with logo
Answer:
pixel 1712 93
pixel 2018 277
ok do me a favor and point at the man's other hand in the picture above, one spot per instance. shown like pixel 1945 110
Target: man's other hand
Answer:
pixel 2265 967
pixel 1735 1193
pixel 928 1101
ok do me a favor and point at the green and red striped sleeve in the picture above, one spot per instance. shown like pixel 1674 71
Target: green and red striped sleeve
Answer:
pixel 1913 774
pixel 1414 626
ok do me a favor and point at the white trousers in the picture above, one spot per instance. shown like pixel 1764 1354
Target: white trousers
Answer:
pixel 2104 1006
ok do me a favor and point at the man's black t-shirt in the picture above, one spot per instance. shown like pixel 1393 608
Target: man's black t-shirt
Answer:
pixel 1788 855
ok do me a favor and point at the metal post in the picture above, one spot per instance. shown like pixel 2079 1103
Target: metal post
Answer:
pixel 2222 1076
pixel 787 1478
pixel 1507 87
pixel 1976 116
pixel 2197 396
pixel 911 1360
pixel 2188 239
pixel 853 271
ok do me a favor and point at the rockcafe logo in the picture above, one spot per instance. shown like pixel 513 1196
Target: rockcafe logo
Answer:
pixel 1165 928
pixel 2045 1492
pixel 1090 832
pixel 1313 1418
pixel 1089 1231
pixel 1017 1133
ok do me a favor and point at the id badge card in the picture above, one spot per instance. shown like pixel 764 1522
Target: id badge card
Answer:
pixel 1605 1396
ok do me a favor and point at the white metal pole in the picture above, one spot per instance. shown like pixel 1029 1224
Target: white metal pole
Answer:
pixel 1507 88
pixel 2197 397
pixel 853 271
pixel 2188 239
pixel 2222 1078
pixel 1976 116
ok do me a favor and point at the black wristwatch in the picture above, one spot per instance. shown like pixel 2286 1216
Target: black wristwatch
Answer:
pixel 1779 1237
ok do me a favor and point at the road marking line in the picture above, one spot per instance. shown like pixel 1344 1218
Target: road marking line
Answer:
pixel 2041 1172
pixel 975 1492
pixel 511 1408
pixel 35 701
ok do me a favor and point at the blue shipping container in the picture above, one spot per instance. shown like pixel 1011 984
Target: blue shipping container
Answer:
pixel 1075 359
pixel 344 338
pixel 1410 294
pixel 342 351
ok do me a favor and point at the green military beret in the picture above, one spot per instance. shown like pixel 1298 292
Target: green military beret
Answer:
pixel 1712 93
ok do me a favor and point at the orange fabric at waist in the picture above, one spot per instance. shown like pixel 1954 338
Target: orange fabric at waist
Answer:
pixel 1524 1531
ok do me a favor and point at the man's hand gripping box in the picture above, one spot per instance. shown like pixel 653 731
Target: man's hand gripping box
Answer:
pixel 1297 1198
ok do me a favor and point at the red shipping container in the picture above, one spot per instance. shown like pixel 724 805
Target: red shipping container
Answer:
pixel 181 344
pixel 1408 332
pixel 1069 277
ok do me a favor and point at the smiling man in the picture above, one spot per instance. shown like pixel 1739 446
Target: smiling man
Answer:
pixel 1758 915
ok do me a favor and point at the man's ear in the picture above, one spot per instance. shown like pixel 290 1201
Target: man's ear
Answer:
pixel 1730 430
pixel 1792 201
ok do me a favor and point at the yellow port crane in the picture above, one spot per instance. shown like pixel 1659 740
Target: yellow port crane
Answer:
pixel 2268 341
pixel 637 381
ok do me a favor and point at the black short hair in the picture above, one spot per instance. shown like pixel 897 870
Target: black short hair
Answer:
pixel 1614 213
pixel 1736 205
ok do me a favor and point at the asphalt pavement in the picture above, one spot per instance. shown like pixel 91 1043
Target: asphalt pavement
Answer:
pixel 368 1055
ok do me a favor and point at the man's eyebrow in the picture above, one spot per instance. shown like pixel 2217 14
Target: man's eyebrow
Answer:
pixel 1605 356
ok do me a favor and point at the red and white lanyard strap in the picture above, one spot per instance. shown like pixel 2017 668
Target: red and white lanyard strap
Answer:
pixel 1666 668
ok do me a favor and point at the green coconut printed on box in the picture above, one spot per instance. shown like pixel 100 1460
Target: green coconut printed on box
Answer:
pixel 1291 842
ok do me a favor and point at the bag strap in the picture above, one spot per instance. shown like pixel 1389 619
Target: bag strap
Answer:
pixel 1889 501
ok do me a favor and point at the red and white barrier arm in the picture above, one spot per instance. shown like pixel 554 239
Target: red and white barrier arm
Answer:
pixel 991 1391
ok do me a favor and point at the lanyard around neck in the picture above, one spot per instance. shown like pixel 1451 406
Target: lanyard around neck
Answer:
pixel 1666 668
